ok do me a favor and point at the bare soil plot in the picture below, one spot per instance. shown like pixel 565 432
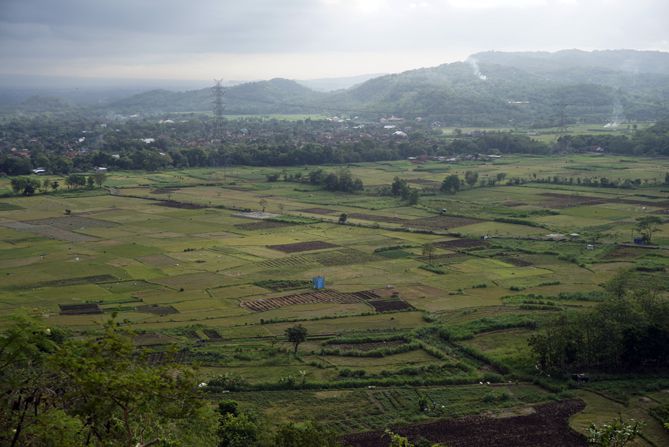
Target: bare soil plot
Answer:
pixel 390 305
pixel 367 294
pixel 442 222
pixel 459 244
pixel 164 190
pixel 377 218
pixel 157 310
pixel 179 205
pixel 547 426
pixel 302 246
pixel 640 202
pixel 79 309
pixel 317 210
pixel 263 225
pixel 517 262
pixel 321 296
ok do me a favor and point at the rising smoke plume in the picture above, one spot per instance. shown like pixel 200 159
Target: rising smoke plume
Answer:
pixel 477 71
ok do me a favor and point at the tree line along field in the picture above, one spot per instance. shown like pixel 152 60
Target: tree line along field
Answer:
pixel 189 260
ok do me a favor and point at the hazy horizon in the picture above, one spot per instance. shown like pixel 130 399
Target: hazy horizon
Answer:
pixel 303 39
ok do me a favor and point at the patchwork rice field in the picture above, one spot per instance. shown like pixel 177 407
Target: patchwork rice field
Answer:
pixel 188 258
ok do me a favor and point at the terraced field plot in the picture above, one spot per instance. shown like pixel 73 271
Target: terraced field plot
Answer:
pixel 190 271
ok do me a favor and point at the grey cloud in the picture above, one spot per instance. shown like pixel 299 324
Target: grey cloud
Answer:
pixel 36 33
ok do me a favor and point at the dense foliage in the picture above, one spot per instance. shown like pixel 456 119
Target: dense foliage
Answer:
pixel 626 332
pixel 62 146
pixel 60 391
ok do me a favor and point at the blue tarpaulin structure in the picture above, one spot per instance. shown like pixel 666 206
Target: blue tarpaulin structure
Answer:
pixel 319 282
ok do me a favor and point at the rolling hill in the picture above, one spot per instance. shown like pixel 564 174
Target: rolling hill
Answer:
pixel 489 89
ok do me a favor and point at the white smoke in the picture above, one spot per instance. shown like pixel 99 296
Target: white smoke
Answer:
pixel 617 115
pixel 477 71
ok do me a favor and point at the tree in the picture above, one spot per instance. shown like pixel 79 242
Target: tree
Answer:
pixel 413 196
pixel 90 181
pixel 238 431
pixel 126 401
pixel 397 440
pixel 25 381
pixel 296 335
pixel 25 185
pixel 58 391
pixel 100 178
pixel 228 407
pixel 501 176
pixel 614 434
pixel 331 182
pixel 471 178
pixel 398 186
pixel 75 180
pixel 55 185
pixel 263 204
pixel 343 217
pixel 451 184
pixel 306 434
pixel 648 225
pixel 17 184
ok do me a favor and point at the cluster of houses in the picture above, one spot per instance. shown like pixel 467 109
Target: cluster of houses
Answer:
pixel 452 159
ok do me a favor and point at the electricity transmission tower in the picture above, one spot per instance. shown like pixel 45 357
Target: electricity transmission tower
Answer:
pixel 217 128
pixel 217 93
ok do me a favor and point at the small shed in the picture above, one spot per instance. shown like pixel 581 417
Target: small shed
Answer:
pixel 318 282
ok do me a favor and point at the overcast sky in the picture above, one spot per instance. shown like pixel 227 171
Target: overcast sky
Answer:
pixel 258 39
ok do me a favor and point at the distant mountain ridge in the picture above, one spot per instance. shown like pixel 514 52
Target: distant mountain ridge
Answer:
pixel 489 89
pixel 273 96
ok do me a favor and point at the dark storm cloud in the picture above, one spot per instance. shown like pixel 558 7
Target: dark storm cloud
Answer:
pixel 76 36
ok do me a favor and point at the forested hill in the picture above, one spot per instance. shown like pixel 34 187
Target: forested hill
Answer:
pixel 489 89
pixel 273 96
pixel 523 89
